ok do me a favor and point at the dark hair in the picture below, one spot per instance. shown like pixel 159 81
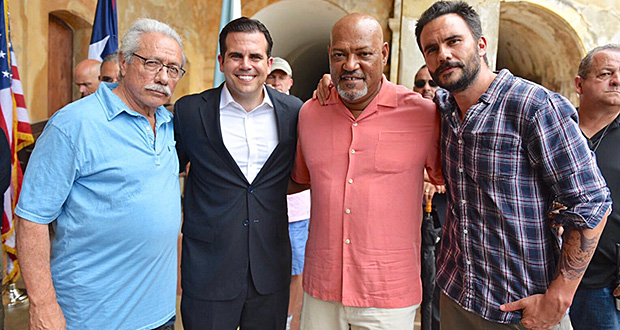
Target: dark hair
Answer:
pixel 440 8
pixel 586 64
pixel 248 25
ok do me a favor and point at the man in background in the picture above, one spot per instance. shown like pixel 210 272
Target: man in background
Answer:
pixel 86 76
pixel 598 86
pixel 281 78
pixel 109 69
pixel 424 84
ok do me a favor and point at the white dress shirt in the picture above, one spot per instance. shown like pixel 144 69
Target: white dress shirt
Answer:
pixel 250 137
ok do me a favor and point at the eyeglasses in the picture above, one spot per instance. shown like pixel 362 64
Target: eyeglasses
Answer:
pixel 421 82
pixel 154 66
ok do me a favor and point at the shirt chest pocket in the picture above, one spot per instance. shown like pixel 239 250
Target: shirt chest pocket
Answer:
pixel 396 152
pixel 496 155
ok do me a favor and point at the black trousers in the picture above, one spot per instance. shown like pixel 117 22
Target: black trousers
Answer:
pixel 168 325
pixel 249 311
pixel 431 232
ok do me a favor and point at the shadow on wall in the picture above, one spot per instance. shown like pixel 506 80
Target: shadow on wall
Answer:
pixel 539 45
pixel 305 45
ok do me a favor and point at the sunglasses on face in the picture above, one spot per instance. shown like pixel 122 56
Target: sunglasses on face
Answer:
pixel 420 83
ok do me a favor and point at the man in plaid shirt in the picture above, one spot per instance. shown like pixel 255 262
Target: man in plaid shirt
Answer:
pixel 512 152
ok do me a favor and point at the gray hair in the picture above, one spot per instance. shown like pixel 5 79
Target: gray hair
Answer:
pixel 131 40
pixel 586 64
pixel 110 58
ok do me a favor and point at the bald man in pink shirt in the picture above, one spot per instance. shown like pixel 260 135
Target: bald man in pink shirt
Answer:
pixel 364 155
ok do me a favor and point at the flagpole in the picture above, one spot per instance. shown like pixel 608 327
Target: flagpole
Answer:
pixel 231 9
pixel 19 134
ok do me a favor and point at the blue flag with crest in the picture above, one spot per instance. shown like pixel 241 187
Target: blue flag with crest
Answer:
pixel 104 40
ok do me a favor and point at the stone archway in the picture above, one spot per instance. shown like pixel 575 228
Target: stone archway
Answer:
pixel 300 30
pixel 539 45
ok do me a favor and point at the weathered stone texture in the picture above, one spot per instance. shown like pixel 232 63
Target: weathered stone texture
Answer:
pixel 541 39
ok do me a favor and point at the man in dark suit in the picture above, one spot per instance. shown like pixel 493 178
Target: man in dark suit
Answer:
pixel 240 139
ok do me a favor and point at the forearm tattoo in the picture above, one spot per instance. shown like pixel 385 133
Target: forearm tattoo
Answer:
pixel 577 251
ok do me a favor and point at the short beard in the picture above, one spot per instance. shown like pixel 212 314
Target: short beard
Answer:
pixel 352 95
pixel 470 72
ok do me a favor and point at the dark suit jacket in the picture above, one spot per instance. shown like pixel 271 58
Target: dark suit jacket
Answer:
pixel 5 168
pixel 230 224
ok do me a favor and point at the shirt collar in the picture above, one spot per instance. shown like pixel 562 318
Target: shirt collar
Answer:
pixel 386 97
pixel 226 99
pixel 113 105
pixel 616 122
pixel 498 86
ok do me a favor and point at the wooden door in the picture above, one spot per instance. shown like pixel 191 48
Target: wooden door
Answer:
pixel 60 65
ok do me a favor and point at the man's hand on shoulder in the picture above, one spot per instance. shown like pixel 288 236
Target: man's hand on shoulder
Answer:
pixel 47 316
pixel 321 93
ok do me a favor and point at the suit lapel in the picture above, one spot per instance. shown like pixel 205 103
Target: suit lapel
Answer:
pixel 210 115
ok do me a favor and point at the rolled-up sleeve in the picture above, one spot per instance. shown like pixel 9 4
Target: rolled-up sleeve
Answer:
pixel 559 149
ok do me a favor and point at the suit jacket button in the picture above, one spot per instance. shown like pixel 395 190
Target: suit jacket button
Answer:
pixel 251 190
pixel 246 223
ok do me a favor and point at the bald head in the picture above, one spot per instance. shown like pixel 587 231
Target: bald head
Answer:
pixel 358 22
pixel 357 56
pixel 86 76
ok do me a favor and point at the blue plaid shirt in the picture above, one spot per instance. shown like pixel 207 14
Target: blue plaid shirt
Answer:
pixel 517 151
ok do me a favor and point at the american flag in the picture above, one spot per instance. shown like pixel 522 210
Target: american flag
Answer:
pixel 14 122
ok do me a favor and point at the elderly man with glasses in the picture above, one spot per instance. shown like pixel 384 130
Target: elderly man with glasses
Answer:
pixel 105 174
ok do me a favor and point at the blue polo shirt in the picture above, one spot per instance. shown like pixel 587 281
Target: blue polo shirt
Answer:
pixel 113 186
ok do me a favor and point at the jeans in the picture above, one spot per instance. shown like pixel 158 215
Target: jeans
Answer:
pixel 595 309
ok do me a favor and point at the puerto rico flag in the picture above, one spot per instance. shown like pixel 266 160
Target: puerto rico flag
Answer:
pixel 104 40
pixel 231 9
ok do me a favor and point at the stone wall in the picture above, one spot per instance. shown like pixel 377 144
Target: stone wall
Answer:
pixel 540 39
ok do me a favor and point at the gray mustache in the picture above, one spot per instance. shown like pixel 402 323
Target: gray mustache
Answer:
pixel 159 88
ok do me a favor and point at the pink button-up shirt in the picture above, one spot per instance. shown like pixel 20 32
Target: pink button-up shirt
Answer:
pixel 366 176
